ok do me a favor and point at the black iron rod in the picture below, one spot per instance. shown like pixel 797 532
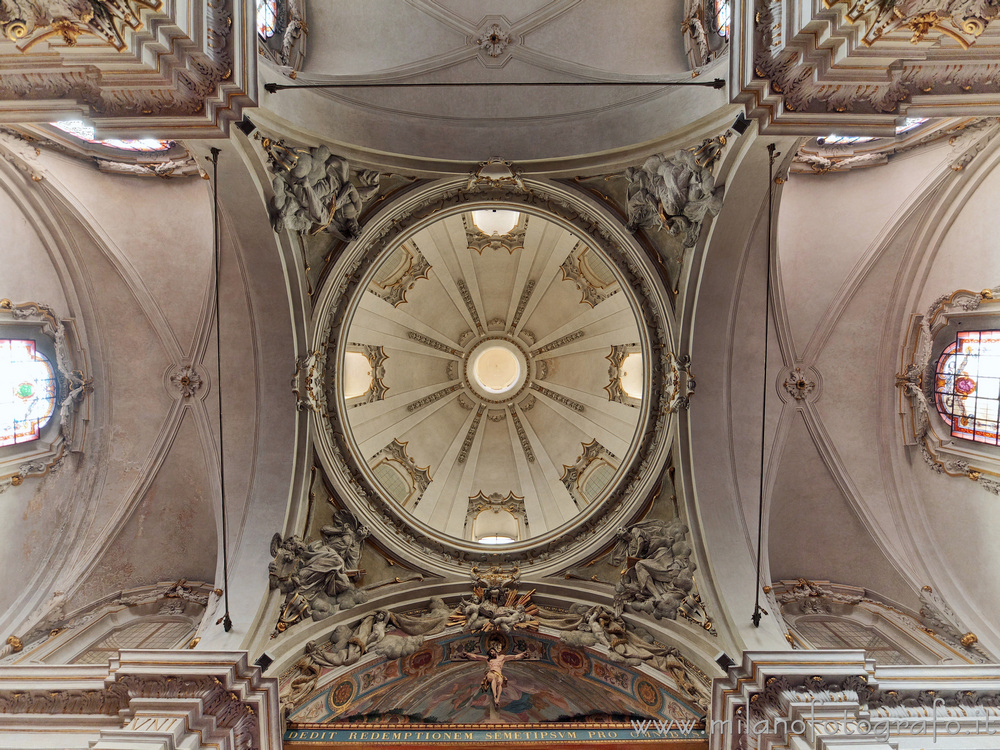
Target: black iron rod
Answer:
pixel 227 622
pixel 771 155
pixel 272 88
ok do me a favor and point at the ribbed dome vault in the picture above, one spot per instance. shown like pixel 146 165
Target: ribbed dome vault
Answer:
pixel 483 375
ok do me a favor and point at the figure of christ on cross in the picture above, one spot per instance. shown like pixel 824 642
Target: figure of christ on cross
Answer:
pixel 494 679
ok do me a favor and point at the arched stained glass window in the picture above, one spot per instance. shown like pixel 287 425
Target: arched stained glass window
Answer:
pixel 967 386
pixel 267 17
pixel 722 17
pixel 80 129
pixel 27 391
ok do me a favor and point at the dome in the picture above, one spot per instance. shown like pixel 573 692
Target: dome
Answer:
pixel 493 378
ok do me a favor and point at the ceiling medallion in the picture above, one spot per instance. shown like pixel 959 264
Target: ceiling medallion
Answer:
pixel 491 372
pixel 493 41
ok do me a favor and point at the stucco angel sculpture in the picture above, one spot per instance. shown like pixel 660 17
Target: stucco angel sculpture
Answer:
pixel 313 191
pixel 673 193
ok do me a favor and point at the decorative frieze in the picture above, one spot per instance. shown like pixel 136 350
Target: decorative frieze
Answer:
pixel 522 302
pixel 521 435
pixel 558 398
pixel 463 289
pixel 420 403
pixel 568 338
pixel 432 343
pixel 463 453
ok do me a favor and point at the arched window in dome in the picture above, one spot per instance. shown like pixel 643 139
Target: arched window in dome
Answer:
pixel 28 390
pixel 967 386
pixel 267 18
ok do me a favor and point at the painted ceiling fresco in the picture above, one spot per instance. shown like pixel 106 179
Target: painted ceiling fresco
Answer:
pixel 555 683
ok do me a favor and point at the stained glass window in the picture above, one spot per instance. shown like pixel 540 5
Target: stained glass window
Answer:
pixel 722 17
pixel 27 391
pixel 844 140
pixel 849 634
pixel 79 129
pixel 267 17
pixel 967 386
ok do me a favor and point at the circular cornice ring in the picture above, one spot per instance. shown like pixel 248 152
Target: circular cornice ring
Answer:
pixel 334 306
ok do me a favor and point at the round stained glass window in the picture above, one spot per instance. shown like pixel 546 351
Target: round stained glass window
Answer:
pixel 27 391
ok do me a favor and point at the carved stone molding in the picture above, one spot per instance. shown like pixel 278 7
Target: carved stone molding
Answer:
pixel 197 89
pixel 838 699
pixel 463 453
pixel 792 79
pixel 202 698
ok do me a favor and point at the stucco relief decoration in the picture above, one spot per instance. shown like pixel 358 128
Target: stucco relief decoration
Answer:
pixel 961 20
pixel 315 190
pixel 318 578
pixel 925 429
pixel 810 597
pixel 679 383
pixel 599 627
pixel 393 290
pixel 186 381
pixel 202 88
pixel 496 173
pixel 496 503
pixel 493 41
pixel 478 240
pixel 388 634
pixel 939 617
pixel 376 357
pixel 28 22
pixel 306 387
pixel 616 371
pixel 496 603
pixel 290 50
pixel 798 385
pixel 657 572
pixel 673 193
pixel 876 703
